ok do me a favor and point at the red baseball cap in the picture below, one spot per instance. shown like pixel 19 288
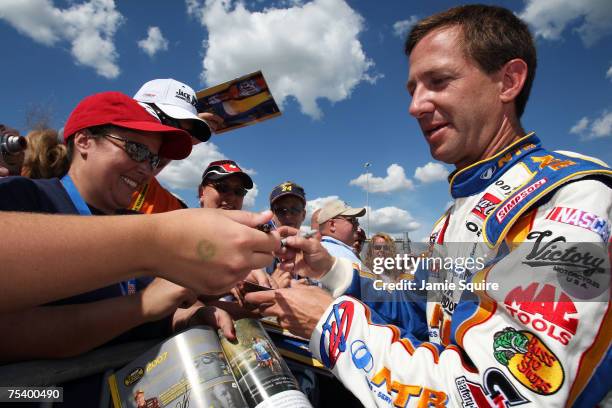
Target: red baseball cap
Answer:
pixel 115 108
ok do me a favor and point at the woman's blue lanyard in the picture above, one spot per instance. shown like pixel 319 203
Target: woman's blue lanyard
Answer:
pixel 75 196
pixel 128 287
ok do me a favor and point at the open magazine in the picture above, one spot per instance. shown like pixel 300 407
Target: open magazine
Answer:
pixel 200 369
pixel 240 102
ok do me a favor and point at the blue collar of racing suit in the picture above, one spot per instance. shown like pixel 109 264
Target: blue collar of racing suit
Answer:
pixel 476 177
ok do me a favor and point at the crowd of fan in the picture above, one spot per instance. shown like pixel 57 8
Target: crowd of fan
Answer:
pixel 104 161
pixel 178 267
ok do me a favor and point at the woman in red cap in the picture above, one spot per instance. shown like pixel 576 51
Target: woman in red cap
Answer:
pixel 114 146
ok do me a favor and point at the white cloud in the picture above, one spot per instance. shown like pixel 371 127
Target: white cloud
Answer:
pixel 401 28
pixel 88 27
pixel 308 51
pixel 391 220
pixel 249 199
pixel 154 42
pixel 187 173
pixel 285 3
pixel 394 181
pixel 193 7
pixel 431 172
pixel 580 126
pixel 319 202
pixel 549 18
pixel 609 73
pixel 595 129
pixel 602 126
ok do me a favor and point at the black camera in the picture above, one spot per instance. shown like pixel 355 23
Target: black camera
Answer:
pixel 12 146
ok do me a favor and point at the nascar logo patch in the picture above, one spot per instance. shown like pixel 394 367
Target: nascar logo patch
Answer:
pixel 583 219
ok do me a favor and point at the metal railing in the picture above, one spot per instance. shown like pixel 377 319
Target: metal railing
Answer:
pixel 53 372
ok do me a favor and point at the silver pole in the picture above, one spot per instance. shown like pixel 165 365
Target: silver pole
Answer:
pixel 366 165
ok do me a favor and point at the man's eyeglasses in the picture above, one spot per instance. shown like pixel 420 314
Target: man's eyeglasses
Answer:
pixel 136 151
pixel 287 210
pixel 352 220
pixel 225 188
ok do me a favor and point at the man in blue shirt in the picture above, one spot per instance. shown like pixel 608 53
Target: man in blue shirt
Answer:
pixel 338 224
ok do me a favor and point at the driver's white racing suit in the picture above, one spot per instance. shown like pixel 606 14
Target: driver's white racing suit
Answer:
pixel 534 327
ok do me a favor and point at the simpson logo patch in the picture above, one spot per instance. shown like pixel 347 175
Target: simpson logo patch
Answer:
pixel 514 201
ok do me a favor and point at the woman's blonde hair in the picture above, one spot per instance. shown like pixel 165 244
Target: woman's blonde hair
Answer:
pixel 389 252
pixel 45 157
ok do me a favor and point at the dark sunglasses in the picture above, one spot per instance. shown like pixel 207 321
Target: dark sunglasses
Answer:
pixel 224 188
pixel 380 246
pixel 352 220
pixel 165 119
pixel 136 151
pixel 287 210
pixel 175 123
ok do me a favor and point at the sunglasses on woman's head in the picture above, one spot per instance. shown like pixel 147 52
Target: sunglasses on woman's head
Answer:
pixel 175 123
pixel 165 119
pixel 136 151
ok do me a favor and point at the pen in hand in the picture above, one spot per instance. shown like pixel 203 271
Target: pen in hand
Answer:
pixel 307 234
pixel 271 226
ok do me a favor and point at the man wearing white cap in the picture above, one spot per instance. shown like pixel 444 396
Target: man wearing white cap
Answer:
pixel 338 224
pixel 174 104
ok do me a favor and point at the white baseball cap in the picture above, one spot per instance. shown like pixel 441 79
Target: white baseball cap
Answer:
pixel 176 100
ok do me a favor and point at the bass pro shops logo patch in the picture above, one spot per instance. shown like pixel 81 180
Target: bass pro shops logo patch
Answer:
pixel 529 360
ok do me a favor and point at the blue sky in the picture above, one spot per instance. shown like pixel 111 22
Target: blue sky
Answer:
pixel 337 68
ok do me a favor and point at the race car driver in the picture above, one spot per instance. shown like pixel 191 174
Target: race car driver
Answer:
pixel 538 220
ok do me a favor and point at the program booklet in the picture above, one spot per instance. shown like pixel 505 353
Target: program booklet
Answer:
pixel 200 368
pixel 240 102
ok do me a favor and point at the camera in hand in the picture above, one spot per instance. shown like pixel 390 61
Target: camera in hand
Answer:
pixel 12 146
